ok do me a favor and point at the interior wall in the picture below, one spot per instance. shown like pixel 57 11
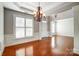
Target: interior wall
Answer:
pixel 76 29
pixel 62 19
pixel 65 27
pixel 43 29
pixel 1 29
pixel 65 30
pixel 9 29
pixel 64 15
pixel 65 23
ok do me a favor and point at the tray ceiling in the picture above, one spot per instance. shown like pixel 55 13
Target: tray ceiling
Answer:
pixel 29 7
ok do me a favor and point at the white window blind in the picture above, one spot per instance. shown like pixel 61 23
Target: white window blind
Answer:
pixel 24 27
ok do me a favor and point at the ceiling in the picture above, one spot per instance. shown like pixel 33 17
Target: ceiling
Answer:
pixel 29 7
pixel 33 5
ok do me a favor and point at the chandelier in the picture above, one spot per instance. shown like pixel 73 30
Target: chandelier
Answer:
pixel 38 14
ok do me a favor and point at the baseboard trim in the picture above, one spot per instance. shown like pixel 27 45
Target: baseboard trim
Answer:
pixel 66 36
pixel 76 51
pixel 2 52
pixel 20 42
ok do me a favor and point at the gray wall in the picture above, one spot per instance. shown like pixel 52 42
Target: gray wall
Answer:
pixel 9 30
pixel 64 15
pixel 63 23
pixel 65 27
pixel 9 26
pixel 61 16
pixel 1 29
pixel 9 22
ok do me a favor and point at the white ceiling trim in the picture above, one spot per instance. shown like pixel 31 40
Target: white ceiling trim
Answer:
pixel 29 7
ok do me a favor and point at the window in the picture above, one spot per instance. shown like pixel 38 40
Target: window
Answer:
pixel 52 27
pixel 43 28
pixel 24 27
pixel 29 27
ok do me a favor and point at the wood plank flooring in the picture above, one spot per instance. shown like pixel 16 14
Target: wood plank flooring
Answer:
pixel 39 48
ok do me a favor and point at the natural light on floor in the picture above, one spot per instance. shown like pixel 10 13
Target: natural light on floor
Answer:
pixel 53 42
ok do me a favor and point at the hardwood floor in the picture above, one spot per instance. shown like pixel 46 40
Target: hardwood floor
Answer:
pixel 40 48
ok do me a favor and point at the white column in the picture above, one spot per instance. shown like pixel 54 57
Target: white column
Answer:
pixel 76 29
